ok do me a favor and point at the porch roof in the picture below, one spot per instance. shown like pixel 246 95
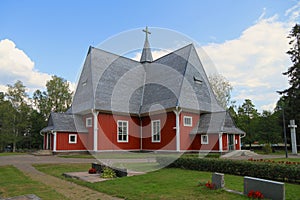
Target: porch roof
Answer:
pixel 65 122
pixel 217 122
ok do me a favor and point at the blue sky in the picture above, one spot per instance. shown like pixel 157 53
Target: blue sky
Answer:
pixel 42 38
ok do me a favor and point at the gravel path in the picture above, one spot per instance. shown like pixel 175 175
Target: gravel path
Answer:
pixel 260 156
pixel 68 189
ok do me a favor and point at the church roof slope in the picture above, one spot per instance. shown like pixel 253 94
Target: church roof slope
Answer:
pixel 102 76
pixel 65 123
pixel 163 80
pixel 195 91
pixel 217 122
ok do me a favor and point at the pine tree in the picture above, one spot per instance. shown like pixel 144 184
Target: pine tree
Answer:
pixel 292 94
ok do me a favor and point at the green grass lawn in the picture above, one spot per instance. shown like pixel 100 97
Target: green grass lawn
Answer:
pixel 11 153
pixel 277 152
pixel 137 155
pixel 14 183
pixel 161 184
pixel 86 156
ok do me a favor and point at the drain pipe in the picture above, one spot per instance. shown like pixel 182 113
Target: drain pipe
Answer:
pixel 95 117
pixel 141 134
pixel 177 112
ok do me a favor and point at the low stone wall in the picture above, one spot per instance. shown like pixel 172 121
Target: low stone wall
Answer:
pixel 119 171
pixel 270 189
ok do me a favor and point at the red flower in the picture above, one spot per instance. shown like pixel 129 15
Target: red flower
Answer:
pixel 255 195
pixel 92 171
pixel 210 185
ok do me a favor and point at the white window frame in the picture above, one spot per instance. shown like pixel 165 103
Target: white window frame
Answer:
pixel 118 128
pixel 73 142
pixel 89 122
pixel 153 131
pixel 202 139
pixel 188 117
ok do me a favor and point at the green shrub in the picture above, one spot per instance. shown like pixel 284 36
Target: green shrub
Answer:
pixel 267 149
pixel 273 171
pixel 108 173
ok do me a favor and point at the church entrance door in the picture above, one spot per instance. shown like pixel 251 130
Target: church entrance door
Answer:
pixel 230 142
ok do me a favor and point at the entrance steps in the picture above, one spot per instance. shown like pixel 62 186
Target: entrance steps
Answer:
pixel 43 153
pixel 239 153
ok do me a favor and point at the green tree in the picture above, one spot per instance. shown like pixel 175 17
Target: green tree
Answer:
pixel 292 94
pixel 268 129
pixel 6 111
pixel 18 113
pixel 247 120
pixel 57 98
pixel 37 123
pixel 221 88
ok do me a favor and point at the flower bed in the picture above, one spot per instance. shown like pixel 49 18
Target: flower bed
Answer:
pixel 272 161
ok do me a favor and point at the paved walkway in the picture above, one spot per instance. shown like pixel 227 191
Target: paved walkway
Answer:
pixel 66 188
pixel 263 156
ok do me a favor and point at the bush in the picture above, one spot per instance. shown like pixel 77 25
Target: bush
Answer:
pixel 273 171
pixel 108 173
pixel 267 149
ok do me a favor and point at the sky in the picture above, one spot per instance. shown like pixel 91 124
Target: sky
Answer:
pixel 245 40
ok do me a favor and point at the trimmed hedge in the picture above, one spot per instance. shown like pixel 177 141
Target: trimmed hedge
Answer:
pixel 272 171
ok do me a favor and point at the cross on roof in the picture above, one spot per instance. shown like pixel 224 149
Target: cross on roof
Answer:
pixel 146 31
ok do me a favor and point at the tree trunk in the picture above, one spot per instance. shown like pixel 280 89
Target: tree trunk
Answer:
pixel 14 146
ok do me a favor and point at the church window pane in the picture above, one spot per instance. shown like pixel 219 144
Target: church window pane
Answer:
pixel 155 131
pixel 72 139
pixel 204 139
pixel 89 122
pixel 122 131
pixel 187 121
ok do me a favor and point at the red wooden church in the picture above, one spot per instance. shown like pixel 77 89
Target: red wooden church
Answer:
pixel 121 104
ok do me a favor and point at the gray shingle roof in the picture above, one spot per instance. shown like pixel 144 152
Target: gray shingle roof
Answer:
pixel 217 122
pixel 65 122
pixel 114 83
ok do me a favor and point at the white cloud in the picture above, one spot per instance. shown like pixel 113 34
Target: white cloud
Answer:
pixel 155 54
pixel 293 13
pixel 254 62
pixel 16 65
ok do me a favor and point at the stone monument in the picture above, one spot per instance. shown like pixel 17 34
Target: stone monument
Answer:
pixel 293 127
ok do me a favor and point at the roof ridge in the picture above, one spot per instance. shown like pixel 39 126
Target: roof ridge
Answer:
pixel 142 96
pixel 113 54
pixel 186 64
pixel 172 52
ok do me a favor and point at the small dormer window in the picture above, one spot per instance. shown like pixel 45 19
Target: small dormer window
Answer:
pixel 197 80
pixel 84 82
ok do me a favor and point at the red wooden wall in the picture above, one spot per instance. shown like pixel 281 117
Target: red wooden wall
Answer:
pixel 188 141
pixel 62 141
pixel 107 132
pixel 168 133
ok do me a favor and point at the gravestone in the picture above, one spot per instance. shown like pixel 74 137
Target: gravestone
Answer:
pixel 218 180
pixel 293 127
pixel 270 189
